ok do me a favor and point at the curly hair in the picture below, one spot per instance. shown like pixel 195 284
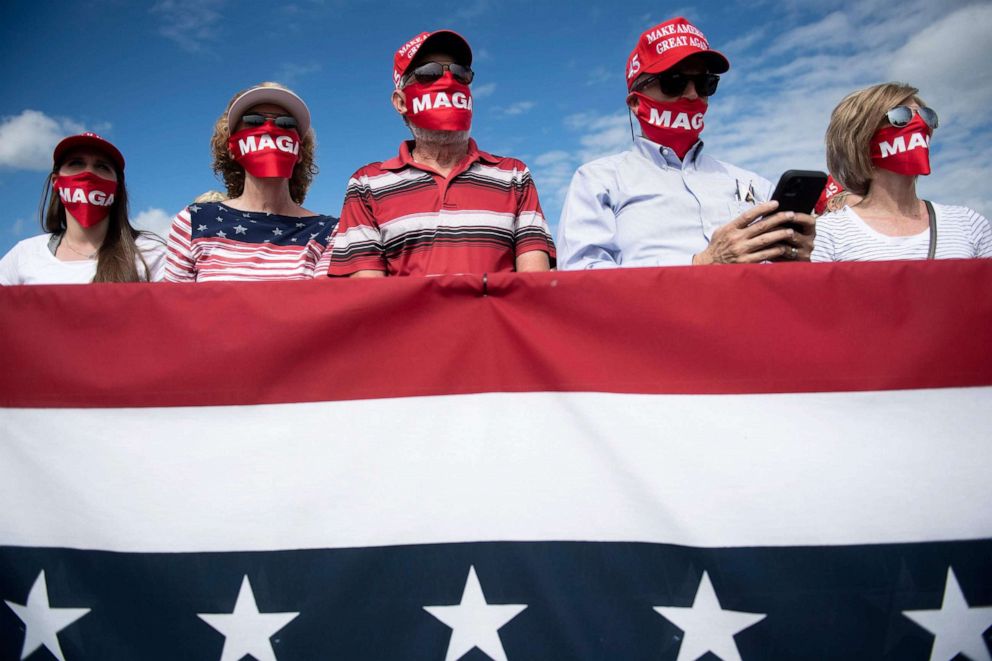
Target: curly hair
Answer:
pixel 852 124
pixel 233 175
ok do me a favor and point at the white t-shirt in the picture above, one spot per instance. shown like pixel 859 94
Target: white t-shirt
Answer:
pixel 30 262
pixel 843 236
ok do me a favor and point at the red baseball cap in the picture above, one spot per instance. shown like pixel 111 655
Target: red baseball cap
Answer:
pixel 451 42
pixel 666 44
pixel 87 140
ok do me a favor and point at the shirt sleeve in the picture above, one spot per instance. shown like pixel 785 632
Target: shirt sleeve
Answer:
pixel 982 232
pixel 323 263
pixel 587 232
pixel 180 265
pixel 823 243
pixel 154 253
pixel 530 229
pixel 9 274
pixel 357 241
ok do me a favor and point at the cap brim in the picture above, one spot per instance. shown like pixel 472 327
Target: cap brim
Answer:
pixel 91 141
pixel 293 104
pixel 716 62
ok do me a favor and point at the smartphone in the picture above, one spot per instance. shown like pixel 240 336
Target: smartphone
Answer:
pixel 798 190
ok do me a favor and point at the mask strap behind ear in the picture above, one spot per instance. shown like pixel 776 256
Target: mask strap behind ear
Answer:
pixel 630 120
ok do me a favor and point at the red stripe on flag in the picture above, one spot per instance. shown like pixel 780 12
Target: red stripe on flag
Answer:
pixel 758 329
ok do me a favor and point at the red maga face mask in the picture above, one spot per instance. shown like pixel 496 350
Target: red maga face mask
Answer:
pixel 675 124
pixel 442 105
pixel 86 196
pixel 904 150
pixel 266 150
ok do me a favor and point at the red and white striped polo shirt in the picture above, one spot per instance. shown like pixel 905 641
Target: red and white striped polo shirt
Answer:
pixel 403 219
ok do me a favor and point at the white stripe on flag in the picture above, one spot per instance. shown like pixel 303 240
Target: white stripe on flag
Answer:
pixel 709 471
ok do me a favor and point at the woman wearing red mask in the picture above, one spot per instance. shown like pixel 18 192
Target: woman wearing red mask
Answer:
pixel 263 149
pixel 878 143
pixel 84 212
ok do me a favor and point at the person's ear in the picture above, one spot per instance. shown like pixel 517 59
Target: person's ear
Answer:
pixel 399 101
pixel 632 102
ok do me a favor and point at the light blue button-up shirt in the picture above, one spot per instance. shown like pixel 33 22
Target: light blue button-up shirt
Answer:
pixel 645 207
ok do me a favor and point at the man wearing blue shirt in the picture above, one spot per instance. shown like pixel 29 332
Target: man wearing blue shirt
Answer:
pixel 664 202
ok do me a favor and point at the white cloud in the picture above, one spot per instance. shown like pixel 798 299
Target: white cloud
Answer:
pixel 472 9
pixel 189 23
pixel 601 75
pixel 290 73
pixel 552 171
pixel 482 91
pixel 27 140
pixel 949 61
pixel 18 227
pixel 744 41
pixel 600 135
pixel 153 220
pixel 518 108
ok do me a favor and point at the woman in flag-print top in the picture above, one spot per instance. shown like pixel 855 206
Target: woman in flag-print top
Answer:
pixel 263 149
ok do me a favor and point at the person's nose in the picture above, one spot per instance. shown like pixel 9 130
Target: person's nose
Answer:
pixel 690 91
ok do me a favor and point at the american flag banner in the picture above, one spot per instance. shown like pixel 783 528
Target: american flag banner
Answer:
pixel 769 462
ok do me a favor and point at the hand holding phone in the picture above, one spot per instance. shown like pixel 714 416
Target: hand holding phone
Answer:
pixel 798 190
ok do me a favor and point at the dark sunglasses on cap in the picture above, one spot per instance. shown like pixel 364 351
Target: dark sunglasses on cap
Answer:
pixel 256 119
pixel 673 83
pixel 431 71
pixel 900 116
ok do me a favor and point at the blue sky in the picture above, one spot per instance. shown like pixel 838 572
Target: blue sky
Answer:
pixel 153 77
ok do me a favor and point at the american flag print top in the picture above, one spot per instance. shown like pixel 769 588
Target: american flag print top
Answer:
pixel 212 241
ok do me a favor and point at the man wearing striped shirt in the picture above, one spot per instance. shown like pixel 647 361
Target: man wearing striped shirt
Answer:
pixel 442 205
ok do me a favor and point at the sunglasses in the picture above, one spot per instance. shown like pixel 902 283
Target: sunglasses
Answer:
pixel 900 116
pixel 431 71
pixel 256 119
pixel 673 83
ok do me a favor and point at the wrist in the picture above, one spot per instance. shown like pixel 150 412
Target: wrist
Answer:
pixel 702 258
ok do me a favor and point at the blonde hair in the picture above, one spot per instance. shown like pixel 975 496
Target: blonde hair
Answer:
pixel 233 175
pixel 210 196
pixel 852 124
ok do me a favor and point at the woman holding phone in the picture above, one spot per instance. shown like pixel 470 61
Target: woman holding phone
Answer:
pixel 878 143
pixel 263 149
pixel 84 214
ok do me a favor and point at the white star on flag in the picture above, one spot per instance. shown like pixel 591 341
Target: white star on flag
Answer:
pixel 221 235
pixel 42 623
pixel 194 208
pixel 246 631
pixel 706 626
pixel 240 229
pixel 301 224
pixel 475 623
pixel 201 228
pixel 956 627
pixel 277 232
pixel 219 219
